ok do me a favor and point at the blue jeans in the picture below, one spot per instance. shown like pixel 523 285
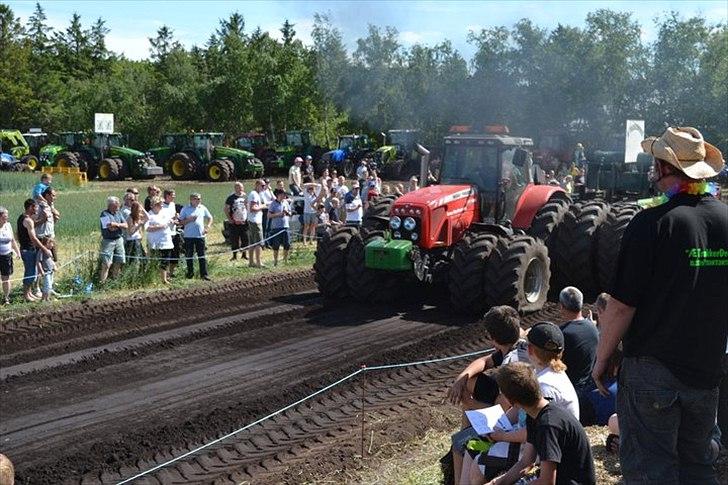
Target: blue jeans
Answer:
pixel 30 262
pixel 665 426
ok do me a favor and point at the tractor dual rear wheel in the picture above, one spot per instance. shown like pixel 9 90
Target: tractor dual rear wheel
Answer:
pixel 575 247
pixel 67 160
pixel 329 266
pixel 609 240
pixel 518 274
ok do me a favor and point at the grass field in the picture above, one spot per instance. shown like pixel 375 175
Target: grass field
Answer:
pixel 78 232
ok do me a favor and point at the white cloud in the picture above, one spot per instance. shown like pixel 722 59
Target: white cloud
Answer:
pixel 136 48
pixel 409 37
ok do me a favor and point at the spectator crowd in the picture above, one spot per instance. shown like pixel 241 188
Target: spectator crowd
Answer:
pixel 157 228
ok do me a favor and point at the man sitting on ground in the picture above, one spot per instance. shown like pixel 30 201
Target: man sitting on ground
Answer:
pixel 474 388
pixel 580 338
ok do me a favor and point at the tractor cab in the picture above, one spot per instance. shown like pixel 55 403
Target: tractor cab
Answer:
pixel 352 143
pixel 71 138
pixel 103 141
pixel 403 140
pixel 252 141
pixel 298 138
pixel 497 165
pixel 35 140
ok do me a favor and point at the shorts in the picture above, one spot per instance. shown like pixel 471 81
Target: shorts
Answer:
pixel 310 218
pixel 282 239
pixel 6 264
pixel 255 233
pixel 486 389
pixel 113 249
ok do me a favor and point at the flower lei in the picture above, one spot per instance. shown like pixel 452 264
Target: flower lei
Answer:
pixel 692 188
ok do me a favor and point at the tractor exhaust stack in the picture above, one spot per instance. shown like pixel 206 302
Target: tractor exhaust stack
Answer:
pixel 424 163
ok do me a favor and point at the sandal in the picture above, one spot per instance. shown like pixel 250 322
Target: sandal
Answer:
pixel 612 444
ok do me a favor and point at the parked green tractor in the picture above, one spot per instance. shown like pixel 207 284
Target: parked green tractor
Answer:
pixel 203 156
pixel 12 142
pixel 398 159
pixel 609 178
pixel 36 140
pixel 258 144
pixel 102 154
pixel 298 143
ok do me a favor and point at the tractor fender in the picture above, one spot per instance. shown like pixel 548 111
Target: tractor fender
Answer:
pixel 531 200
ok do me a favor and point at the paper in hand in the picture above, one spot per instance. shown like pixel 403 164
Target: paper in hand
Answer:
pixel 485 420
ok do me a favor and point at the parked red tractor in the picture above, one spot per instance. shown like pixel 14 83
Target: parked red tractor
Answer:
pixel 486 230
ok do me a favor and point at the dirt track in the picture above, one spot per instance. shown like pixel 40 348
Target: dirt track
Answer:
pixel 100 392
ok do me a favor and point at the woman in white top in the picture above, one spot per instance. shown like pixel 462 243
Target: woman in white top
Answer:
pixel 159 235
pixel 8 249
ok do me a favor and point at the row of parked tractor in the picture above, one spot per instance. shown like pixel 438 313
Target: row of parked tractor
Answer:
pixel 201 155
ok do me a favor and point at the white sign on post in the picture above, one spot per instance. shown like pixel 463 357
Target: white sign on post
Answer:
pixel 635 133
pixel 104 122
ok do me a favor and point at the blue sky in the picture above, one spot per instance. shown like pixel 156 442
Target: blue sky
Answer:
pixel 426 22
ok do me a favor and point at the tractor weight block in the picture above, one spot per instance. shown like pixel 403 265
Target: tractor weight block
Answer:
pixel 392 255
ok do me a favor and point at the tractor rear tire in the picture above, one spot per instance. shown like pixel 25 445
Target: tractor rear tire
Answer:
pixel 31 161
pixel 109 169
pixel 230 169
pixel 376 217
pixel 466 279
pixel 66 160
pixel 548 218
pixel 518 273
pixel 347 168
pixel 182 167
pixel 20 167
pixel 330 264
pixel 218 171
pixel 371 285
pixel 575 247
pixel 609 240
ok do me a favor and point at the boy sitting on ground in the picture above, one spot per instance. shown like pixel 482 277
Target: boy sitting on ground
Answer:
pixel 475 387
pixel 554 435
pixel 545 350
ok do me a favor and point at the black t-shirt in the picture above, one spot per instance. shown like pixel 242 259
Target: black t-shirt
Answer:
pixel 580 349
pixel 334 215
pixel 673 268
pixel 230 201
pixel 558 437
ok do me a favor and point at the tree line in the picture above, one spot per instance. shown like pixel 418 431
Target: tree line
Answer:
pixel 583 80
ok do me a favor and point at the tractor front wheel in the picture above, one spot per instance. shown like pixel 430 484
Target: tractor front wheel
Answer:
pixel 331 258
pixel 466 280
pixel 376 217
pixel 182 167
pixel 109 169
pixel 518 273
pixel 217 171
pixel 31 161
pixel 66 160
pixel 347 168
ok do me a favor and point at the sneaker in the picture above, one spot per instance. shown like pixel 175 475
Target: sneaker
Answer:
pixel 7 301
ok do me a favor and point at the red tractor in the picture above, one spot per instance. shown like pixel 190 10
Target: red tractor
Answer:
pixel 485 230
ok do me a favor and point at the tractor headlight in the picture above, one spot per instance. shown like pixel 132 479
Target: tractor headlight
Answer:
pixel 409 224
pixel 414 236
pixel 395 222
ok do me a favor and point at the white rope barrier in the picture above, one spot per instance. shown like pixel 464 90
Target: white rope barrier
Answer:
pixel 300 401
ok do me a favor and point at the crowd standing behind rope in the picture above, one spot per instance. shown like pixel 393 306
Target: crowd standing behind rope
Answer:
pixel 159 229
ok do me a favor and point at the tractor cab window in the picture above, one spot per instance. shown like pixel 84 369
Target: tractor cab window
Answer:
pixel 305 139
pixel 294 139
pixel 68 139
pixel 471 164
pixel 202 142
pixel 346 142
pixel 245 142
pixel 216 139
pixel 116 140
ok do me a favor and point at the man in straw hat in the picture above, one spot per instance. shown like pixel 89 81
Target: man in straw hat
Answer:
pixel 668 306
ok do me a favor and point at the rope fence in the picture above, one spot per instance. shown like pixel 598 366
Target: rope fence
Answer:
pixel 363 370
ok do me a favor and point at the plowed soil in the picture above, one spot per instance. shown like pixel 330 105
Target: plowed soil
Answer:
pixel 99 392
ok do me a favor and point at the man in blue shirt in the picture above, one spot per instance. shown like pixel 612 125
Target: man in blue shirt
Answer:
pixel 279 215
pixel 196 220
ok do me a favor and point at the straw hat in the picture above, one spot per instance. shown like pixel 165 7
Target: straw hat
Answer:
pixel 685 149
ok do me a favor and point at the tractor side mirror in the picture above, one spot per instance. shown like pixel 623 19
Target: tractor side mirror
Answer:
pixel 519 157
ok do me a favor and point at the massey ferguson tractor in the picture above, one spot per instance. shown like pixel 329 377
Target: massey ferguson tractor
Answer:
pixel 488 231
